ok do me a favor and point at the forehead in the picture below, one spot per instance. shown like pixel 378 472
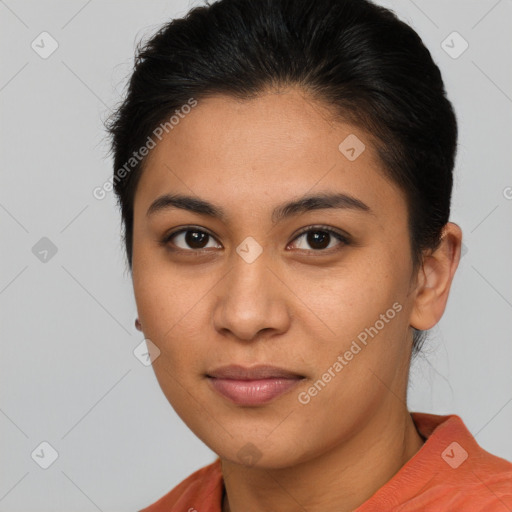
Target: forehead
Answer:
pixel 254 152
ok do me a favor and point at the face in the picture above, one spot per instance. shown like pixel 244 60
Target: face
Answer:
pixel 321 290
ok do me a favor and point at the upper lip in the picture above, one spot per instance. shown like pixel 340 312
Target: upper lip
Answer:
pixel 253 373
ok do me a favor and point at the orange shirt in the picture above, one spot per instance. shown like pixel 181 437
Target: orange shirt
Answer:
pixel 450 472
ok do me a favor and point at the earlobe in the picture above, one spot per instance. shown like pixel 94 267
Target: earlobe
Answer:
pixel 435 279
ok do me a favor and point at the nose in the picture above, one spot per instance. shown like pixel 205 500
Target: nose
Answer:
pixel 251 299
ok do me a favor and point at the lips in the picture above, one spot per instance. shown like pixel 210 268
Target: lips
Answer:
pixel 257 385
pixel 253 373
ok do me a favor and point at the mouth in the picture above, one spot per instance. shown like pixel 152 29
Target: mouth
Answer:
pixel 253 386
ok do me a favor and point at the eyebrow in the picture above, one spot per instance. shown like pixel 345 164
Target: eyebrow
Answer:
pixel 283 211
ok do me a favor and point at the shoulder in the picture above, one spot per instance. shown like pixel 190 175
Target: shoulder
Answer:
pixel 461 474
pixel 450 472
pixel 486 484
pixel 201 491
pixel 475 490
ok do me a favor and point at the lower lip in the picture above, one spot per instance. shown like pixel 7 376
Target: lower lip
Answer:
pixel 252 392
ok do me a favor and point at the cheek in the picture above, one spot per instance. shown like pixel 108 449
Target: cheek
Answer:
pixel 172 313
pixel 170 321
pixel 356 370
pixel 362 319
pixel 161 294
pixel 349 298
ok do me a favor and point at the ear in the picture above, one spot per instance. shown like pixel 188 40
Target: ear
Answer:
pixel 434 279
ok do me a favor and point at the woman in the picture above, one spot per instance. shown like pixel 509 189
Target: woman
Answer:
pixel 284 172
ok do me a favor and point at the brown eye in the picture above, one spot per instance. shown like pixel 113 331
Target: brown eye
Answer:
pixel 190 239
pixel 319 238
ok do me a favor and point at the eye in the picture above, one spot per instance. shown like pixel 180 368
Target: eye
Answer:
pixel 318 237
pixel 195 238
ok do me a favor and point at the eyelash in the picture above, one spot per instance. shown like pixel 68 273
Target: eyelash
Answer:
pixel 324 229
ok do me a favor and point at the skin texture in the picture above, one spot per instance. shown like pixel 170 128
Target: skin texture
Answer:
pixel 295 306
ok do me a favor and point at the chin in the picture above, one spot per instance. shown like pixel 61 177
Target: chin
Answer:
pixel 255 453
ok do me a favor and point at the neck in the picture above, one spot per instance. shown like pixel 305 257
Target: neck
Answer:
pixel 339 480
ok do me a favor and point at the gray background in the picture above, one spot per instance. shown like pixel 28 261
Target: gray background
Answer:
pixel 68 373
